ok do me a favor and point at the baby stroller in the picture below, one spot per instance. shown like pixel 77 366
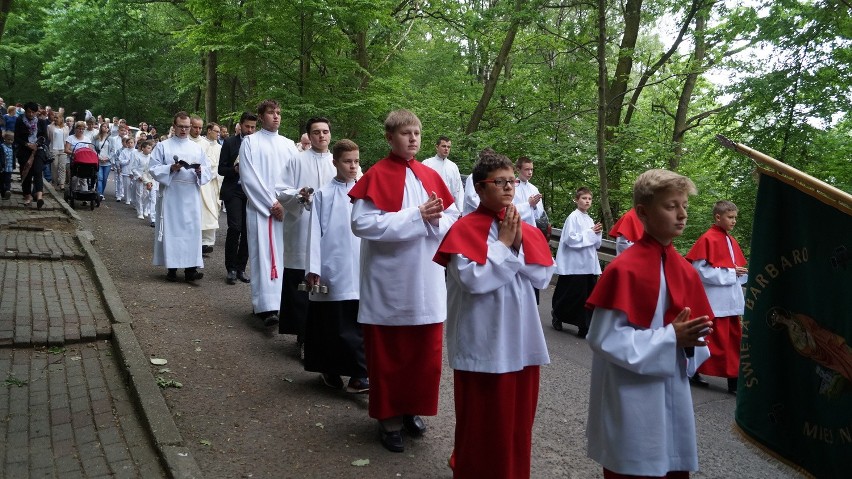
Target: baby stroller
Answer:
pixel 84 176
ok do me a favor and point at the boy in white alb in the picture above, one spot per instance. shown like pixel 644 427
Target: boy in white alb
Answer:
pixel 527 197
pixel 650 317
pixel 402 209
pixel 311 170
pixel 495 343
pixel 334 344
pixel 125 156
pixel 577 266
pixel 448 170
pixel 142 180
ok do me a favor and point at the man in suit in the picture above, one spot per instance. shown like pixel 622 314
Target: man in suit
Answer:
pixel 231 193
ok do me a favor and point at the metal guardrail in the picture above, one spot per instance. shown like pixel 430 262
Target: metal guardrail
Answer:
pixel 606 253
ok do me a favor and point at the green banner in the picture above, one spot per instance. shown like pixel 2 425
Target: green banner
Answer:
pixel 795 385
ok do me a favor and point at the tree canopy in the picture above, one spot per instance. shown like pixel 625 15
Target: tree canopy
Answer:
pixel 522 77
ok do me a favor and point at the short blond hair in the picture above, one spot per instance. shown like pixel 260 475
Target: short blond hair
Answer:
pixel 400 118
pixel 653 182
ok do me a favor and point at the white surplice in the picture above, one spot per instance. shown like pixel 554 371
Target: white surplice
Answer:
pixel 641 420
pixel 309 170
pixel 471 197
pixel 493 324
pixel 177 238
pixel 210 191
pixel 528 213
pixel 449 172
pixel 262 161
pixel 400 284
pixel 578 246
pixel 333 251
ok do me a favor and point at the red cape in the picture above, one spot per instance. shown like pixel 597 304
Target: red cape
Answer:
pixel 628 226
pixel 384 183
pixel 711 246
pixel 631 283
pixel 469 236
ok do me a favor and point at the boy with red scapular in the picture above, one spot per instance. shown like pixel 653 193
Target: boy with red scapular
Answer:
pixel 650 317
pixel 401 210
pixel 494 338
pixel 721 265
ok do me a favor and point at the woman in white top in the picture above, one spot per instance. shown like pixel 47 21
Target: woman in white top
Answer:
pixel 57 132
pixel 103 146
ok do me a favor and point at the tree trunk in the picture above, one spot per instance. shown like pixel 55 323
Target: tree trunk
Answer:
pixel 602 116
pixel 5 8
pixel 499 63
pixel 696 66
pixel 212 90
pixel 618 86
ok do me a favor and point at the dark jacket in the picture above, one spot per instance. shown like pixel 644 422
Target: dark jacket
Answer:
pixel 231 183
pixel 22 134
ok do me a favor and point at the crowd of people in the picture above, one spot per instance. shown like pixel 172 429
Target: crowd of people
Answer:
pixel 365 269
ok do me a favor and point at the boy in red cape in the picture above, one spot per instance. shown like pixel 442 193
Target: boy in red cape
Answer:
pixel 401 211
pixel 495 342
pixel 721 265
pixel 626 231
pixel 650 315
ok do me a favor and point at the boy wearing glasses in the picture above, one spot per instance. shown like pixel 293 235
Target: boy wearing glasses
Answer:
pixel 577 266
pixel 495 342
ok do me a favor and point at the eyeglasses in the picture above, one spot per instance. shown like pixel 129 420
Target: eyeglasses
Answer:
pixel 502 182
pixel 183 127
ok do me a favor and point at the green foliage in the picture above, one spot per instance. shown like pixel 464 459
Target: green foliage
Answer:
pixel 355 60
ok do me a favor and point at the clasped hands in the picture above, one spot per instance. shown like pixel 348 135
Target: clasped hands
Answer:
pixel 510 230
pixel 691 332
pixel 432 209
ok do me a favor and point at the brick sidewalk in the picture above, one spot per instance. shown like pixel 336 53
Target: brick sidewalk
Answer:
pixel 66 409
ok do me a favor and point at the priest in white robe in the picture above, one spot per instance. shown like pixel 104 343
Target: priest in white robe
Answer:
pixel 210 191
pixel 180 167
pixel 311 170
pixel 262 168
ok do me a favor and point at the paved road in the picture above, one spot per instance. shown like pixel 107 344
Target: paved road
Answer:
pixel 247 409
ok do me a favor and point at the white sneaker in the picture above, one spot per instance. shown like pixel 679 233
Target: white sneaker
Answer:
pixel 140 217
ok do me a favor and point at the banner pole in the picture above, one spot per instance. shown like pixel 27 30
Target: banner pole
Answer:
pixel 784 172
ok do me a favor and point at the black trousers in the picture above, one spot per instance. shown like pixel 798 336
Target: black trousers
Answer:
pixel 334 342
pixel 569 299
pixel 34 182
pixel 236 240
pixel 294 304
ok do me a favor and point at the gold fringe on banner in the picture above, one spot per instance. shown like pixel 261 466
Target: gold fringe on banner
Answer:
pixel 805 183
pixel 751 441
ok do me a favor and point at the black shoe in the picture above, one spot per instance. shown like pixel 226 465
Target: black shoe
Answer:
pixel 241 275
pixel 7 195
pixel 582 332
pixel 556 323
pixel 191 274
pixel 392 440
pixel 270 320
pixel 732 386
pixel 231 278
pixel 414 425
pixel 206 249
pixel 171 275
pixel 699 381
pixel 332 381
pixel 152 224
pixel 40 203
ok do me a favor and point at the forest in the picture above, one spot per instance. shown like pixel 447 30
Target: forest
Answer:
pixel 594 91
